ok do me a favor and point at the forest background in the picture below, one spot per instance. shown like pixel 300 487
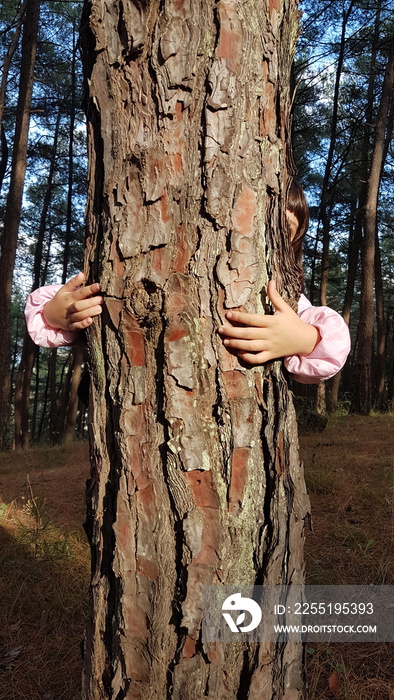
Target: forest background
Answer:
pixel 343 146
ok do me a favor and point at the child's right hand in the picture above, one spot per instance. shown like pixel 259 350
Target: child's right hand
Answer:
pixel 74 306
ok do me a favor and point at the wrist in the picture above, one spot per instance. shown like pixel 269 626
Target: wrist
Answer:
pixel 49 317
pixel 312 338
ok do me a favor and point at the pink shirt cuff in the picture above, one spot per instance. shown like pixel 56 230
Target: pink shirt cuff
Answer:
pixel 37 327
pixel 329 355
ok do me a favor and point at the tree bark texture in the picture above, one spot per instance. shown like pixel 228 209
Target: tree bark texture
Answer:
pixel 12 216
pixel 195 475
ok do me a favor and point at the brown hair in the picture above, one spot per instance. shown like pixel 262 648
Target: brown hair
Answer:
pixel 297 204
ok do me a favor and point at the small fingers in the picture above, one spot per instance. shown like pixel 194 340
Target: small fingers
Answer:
pixel 75 282
pixel 85 305
pixel 86 292
pixel 257 320
pixel 244 344
pixel 254 358
pixel 80 316
pixel 248 333
pixel 80 325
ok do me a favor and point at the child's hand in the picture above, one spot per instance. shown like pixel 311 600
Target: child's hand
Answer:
pixel 263 337
pixel 73 307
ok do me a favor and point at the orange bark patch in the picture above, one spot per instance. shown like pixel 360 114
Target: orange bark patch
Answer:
pixel 201 485
pixel 239 473
pixel 189 648
pixel 160 262
pixel 244 212
pixel 164 209
pixel 183 251
pixel 236 384
pixel 122 531
pixel 133 423
pixel 267 110
pixel 135 621
pixel 275 5
pixel 119 268
pixel 174 140
pixel 175 332
pixel 134 337
pixel 147 568
pixel 230 37
pixel 210 541
pixel 215 653
pixel 177 163
pixel 146 500
pixel 179 111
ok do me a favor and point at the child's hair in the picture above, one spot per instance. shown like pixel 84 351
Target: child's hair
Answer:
pixel 297 204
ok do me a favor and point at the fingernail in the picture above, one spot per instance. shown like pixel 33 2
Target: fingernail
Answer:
pixel 229 314
pixel 226 342
pixel 221 329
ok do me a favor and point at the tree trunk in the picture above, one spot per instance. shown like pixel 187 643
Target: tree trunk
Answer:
pixel 54 420
pixel 365 330
pixel 379 398
pixel 36 397
pixel 3 87
pixel 14 203
pixel 22 394
pixel 195 471
pixel 356 230
pixel 327 196
pixel 352 261
pixel 381 332
pixel 25 370
pixel 68 233
pixel 72 399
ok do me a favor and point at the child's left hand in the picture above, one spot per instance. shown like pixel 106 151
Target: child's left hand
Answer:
pixel 264 337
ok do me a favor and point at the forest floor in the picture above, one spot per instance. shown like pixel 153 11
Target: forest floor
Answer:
pixel 44 559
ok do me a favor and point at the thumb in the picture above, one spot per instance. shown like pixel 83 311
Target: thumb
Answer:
pixel 275 298
pixel 75 282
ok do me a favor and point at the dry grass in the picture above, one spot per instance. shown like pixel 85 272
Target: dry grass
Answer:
pixel 44 559
pixel 349 470
pixel 44 563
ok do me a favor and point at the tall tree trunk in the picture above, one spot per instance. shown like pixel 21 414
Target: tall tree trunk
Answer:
pixel 72 398
pixel 25 370
pixel 365 330
pixel 14 203
pixel 54 423
pixel 22 394
pixel 67 241
pixel 352 260
pixel 327 194
pixel 380 330
pixel 379 290
pixel 355 236
pixel 3 87
pixel 36 397
pixel 195 471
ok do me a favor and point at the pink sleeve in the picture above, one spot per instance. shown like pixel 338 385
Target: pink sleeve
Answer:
pixel 330 353
pixel 37 327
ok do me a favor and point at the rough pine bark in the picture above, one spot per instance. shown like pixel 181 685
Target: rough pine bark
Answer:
pixel 195 474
